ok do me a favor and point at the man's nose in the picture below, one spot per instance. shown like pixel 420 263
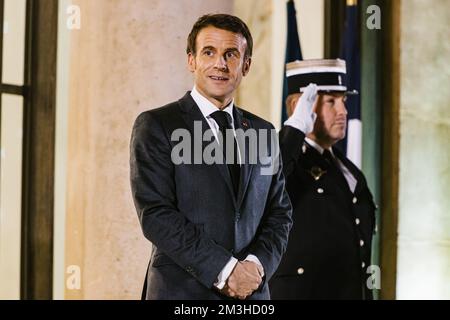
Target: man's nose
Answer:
pixel 342 109
pixel 220 63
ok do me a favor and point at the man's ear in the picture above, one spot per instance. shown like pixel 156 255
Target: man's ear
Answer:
pixel 292 104
pixel 191 62
pixel 246 67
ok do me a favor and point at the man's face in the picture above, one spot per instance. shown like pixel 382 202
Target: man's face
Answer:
pixel 218 64
pixel 331 120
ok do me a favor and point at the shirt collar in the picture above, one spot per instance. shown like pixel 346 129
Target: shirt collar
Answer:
pixel 207 107
pixel 316 146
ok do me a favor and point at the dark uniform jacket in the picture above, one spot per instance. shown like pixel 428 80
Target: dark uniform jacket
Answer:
pixel 190 212
pixel 329 246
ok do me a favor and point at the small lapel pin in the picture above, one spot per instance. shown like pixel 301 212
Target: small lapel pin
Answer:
pixel 317 172
pixel 245 124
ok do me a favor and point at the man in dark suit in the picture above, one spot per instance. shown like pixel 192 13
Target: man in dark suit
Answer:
pixel 218 229
pixel 334 214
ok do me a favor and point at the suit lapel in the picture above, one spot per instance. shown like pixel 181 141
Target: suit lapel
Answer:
pixel 191 114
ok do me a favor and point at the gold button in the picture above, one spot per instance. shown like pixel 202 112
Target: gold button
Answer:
pixel 361 243
pixel 357 221
pixel 320 190
pixel 300 270
pixel 355 200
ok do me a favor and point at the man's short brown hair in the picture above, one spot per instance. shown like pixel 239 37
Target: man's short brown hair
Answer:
pixel 224 22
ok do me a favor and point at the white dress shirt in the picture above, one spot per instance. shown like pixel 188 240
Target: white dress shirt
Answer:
pixel 207 108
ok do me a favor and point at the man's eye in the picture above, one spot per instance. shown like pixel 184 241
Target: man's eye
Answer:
pixel 230 54
pixel 208 53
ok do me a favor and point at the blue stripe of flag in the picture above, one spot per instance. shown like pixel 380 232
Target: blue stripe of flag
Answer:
pixel 293 50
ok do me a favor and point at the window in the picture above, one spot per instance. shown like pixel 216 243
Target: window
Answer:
pixel 28 36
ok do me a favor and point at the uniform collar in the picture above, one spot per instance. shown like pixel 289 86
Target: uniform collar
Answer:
pixel 316 146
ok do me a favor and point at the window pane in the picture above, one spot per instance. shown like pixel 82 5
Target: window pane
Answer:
pixel 10 195
pixel 14 41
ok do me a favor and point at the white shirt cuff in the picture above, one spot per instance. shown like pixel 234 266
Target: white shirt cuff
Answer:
pixel 225 273
pixel 255 259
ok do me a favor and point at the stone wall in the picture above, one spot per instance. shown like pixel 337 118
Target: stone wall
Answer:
pixel 424 203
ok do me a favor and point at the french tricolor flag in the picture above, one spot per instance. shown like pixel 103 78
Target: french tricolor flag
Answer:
pixel 352 144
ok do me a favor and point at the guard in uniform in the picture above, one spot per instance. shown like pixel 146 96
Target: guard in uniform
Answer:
pixel 329 247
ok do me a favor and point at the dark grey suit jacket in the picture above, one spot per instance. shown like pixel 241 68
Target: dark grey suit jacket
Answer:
pixel 190 213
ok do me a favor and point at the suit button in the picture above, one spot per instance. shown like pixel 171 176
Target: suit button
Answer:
pixel 357 221
pixel 238 216
pixel 363 265
pixel 304 148
pixel 361 243
pixel 320 190
pixel 355 200
pixel 300 270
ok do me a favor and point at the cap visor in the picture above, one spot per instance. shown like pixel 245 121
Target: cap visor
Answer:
pixel 352 93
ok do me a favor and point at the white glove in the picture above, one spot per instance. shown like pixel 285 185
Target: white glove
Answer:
pixel 303 117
